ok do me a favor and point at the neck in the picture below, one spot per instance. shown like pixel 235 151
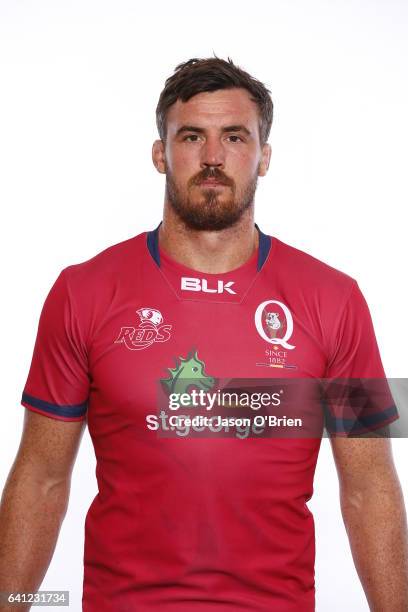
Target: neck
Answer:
pixel 214 252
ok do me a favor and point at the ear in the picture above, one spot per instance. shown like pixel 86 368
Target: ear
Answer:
pixel 158 156
pixel 265 159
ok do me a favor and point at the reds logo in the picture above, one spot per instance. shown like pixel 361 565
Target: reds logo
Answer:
pixel 150 330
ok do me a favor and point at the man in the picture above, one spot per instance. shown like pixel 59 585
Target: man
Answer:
pixel 206 521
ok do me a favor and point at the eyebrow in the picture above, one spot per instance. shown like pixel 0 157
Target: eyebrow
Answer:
pixel 228 128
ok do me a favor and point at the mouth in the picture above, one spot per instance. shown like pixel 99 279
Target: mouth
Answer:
pixel 211 183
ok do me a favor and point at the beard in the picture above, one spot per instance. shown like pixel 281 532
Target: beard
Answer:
pixel 213 209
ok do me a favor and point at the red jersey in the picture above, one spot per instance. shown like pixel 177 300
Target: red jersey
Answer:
pixel 195 523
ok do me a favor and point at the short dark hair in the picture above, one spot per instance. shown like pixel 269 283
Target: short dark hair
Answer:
pixel 199 75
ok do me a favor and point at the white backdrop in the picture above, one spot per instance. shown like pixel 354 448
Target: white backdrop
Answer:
pixel 79 85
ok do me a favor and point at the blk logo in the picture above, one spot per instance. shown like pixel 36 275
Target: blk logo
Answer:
pixel 201 284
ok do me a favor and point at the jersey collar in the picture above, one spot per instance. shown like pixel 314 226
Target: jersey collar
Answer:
pixel 264 246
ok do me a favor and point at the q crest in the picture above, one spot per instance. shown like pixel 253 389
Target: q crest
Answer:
pixel 274 324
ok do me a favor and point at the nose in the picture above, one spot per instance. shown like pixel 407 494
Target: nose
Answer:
pixel 212 153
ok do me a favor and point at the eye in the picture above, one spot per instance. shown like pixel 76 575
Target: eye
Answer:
pixel 191 138
pixel 195 369
pixel 234 136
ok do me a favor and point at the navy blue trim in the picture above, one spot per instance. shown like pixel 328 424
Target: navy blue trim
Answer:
pixel 360 423
pixel 264 246
pixel 153 244
pixel 75 410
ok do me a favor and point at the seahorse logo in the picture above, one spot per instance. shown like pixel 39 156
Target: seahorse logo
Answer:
pixel 188 373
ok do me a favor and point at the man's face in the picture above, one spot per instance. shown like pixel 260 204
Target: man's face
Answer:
pixel 212 158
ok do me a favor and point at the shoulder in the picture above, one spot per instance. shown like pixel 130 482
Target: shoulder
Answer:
pixel 309 273
pixel 111 263
pixel 91 288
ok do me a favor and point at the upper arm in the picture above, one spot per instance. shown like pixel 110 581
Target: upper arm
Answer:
pixel 357 397
pixel 48 449
pixel 55 394
pixel 360 405
pixel 363 463
pixel 58 381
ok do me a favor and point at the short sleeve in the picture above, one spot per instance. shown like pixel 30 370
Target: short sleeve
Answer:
pixel 58 381
pixel 357 395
